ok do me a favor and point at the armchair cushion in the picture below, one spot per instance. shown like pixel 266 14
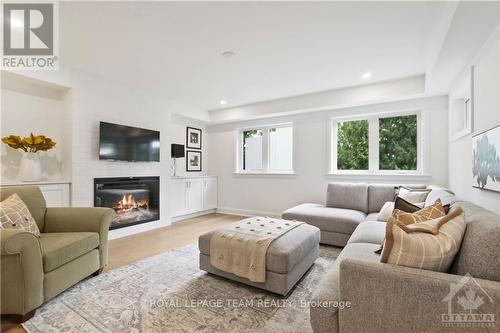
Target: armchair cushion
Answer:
pixel 82 219
pixel 60 248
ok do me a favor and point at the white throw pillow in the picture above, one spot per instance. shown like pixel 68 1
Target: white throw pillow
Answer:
pixel 413 195
pixel 446 197
pixel 15 215
pixel 386 211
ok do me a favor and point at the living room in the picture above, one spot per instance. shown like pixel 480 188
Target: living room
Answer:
pixel 250 166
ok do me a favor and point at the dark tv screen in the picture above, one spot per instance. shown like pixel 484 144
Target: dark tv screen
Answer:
pixel 125 143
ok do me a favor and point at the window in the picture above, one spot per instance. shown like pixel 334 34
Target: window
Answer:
pixel 374 144
pixel 266 149
pixel 398 143
pixel 352 145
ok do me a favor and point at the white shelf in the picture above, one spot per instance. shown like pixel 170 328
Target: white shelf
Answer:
pixel 192 177
pixel 41 182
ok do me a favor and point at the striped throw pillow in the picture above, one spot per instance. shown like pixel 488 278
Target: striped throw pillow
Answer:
pixel 14 214
pixel 427 213
pixel 430 245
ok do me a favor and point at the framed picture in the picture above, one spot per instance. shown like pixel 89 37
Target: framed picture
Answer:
pixel 193 161
pixel 193 138
pixel 486 160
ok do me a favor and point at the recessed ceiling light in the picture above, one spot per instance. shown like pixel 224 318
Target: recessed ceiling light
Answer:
pixel 223 102
pixel 366 75
pixel 228 54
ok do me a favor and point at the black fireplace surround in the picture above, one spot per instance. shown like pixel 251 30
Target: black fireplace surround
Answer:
pixel 135 200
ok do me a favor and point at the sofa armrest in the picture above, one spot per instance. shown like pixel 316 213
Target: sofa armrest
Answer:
pixel 389 298
pixel 82 219
pixel 21 272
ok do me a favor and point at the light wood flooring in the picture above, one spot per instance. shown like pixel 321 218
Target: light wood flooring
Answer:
pixel 126 250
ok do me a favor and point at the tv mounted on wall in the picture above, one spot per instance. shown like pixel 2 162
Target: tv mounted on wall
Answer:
pixel 125 143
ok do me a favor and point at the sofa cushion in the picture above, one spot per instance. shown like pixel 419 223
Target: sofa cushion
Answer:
pixel 348 195
pixel 324 318
pixel 284 252
pixel 378 195
pixel 326 218
pixel 60 248
pixel 372 232
pixel 480 248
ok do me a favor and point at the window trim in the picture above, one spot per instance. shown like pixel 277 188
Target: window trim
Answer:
pixel 265 150
pixel 373 145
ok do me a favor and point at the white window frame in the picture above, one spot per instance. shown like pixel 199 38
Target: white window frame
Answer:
pixel 373 144
pixel 265 150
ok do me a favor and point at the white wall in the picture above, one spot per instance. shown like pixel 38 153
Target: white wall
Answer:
pixel 95 99
pixel 30 108
pixel 271 194
pixel 486 114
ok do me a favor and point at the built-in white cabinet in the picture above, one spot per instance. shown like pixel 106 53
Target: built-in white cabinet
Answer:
pixel 191 195
pixel 56 194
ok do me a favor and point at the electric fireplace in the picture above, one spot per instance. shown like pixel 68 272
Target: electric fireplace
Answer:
pixel 135 199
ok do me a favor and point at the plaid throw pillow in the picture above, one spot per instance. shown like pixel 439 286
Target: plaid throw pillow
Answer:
pixel 430 245
pixel 15 215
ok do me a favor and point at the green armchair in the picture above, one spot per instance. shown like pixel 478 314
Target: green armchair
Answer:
pixel 72 246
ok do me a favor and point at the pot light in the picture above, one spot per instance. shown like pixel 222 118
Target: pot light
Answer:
pixel 223 102
pixel 366 75
pixel 228 54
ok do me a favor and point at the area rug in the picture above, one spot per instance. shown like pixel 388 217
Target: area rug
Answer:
pixel 168 293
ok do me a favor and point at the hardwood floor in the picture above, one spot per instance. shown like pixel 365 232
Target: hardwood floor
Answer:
pixel 126 250
pixel 123 251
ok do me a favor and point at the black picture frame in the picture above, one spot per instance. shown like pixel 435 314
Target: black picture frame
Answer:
pixel 188 161
pixel 190 144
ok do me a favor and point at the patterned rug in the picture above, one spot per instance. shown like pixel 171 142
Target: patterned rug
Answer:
pixel 168 293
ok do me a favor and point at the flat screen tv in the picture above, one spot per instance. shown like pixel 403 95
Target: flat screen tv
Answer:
pixel 125 143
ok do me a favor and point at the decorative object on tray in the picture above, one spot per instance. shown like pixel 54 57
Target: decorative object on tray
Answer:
pixel 193 138
pixel 193 161
pixel 30 169
pixel 486 159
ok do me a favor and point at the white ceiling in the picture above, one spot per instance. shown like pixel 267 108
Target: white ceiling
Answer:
pixel 282 48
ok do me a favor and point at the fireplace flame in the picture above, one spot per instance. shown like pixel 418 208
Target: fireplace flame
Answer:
pixel 128 203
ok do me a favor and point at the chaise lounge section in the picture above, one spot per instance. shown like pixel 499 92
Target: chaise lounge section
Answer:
pixel 348 205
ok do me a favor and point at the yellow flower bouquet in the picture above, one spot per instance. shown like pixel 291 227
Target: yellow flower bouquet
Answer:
pixel 29 144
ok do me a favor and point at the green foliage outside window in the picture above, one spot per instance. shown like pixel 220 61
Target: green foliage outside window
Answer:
pixel 352 145
pixel 398 143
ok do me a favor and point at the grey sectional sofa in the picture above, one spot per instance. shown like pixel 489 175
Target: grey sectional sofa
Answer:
pixel 389 298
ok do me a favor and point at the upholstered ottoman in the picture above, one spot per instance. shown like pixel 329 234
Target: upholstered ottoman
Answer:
pixel 288 258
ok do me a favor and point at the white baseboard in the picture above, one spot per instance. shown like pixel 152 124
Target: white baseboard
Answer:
pixel 245 212
pixel 189 216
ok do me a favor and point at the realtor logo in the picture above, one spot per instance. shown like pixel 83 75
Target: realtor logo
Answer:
pixel 469 305
pixel 29 36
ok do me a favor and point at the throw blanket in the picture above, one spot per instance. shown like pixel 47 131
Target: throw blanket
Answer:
pixel 241 247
